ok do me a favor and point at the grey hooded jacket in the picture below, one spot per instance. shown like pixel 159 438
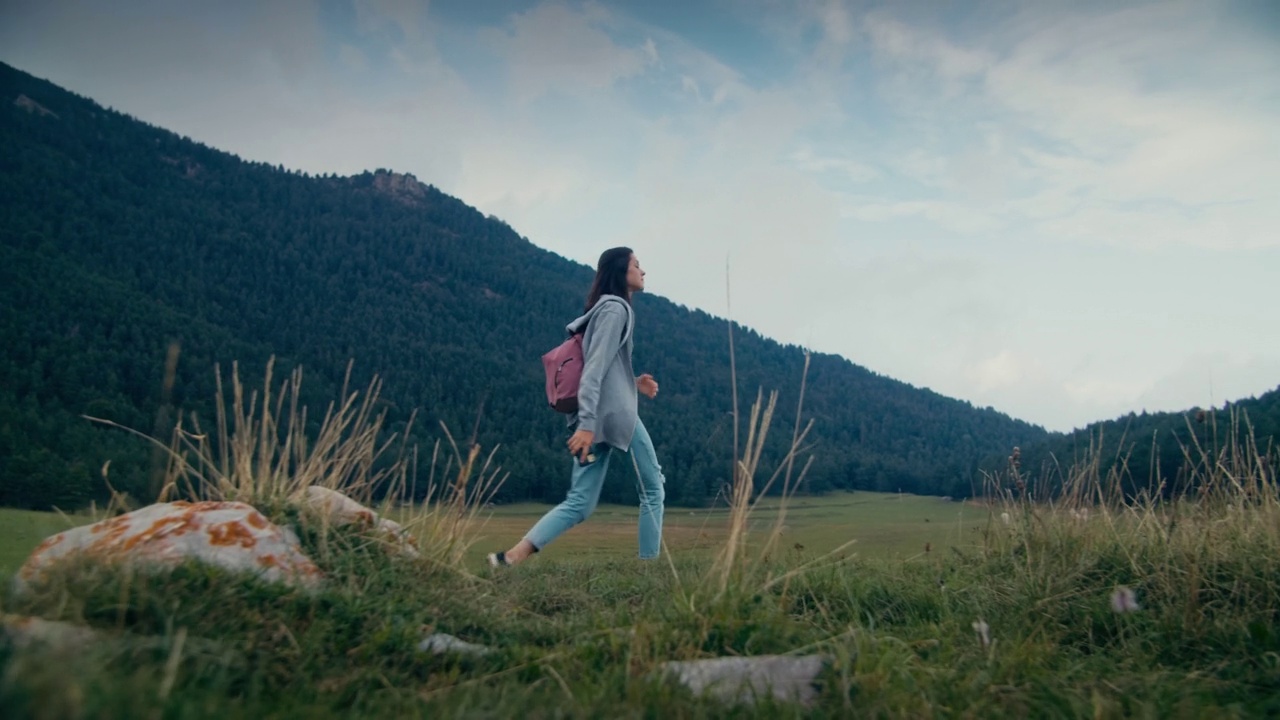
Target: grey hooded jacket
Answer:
pixel 607 390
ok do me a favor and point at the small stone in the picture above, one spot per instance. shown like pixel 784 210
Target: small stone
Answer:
pixel 24 632
pixel 441 643
pixel 341 511
pixel 746 679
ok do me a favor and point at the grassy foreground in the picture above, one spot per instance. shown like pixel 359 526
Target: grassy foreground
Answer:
pixel 580 630
pixel 1084 603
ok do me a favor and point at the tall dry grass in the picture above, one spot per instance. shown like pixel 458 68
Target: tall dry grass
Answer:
pixel 259 451
pixel 1199 564
pixel 742 565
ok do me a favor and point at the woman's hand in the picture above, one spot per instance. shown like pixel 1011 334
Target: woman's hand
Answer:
pixel 647 385
pixel 580 443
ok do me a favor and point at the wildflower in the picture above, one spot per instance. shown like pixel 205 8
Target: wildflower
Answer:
pixel 984 632
pixel 1004 518
pixel 1123 600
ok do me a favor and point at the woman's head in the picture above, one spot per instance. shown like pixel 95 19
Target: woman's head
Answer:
pixel 617 273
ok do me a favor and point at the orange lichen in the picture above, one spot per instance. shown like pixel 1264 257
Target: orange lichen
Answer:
pixel 115 528
pixel 231 533
pixel 257 520
pixel 48 543
pixel 171 525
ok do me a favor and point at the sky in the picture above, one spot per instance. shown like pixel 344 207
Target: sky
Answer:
pixel 1067 211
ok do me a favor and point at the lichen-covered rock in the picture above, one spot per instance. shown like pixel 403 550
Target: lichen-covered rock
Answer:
pixel 746 679
pixel 229 535
pixel 341 511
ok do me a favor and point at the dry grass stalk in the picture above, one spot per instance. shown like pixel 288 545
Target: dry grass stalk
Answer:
pixel 732 560
pixel 261 454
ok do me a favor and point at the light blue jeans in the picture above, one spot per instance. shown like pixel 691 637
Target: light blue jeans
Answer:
pixel 584 493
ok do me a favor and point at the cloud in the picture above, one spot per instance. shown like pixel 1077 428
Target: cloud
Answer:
pixel 352 57
pixel 406 16
pixel 1089 104
pixel 554 47
pixel 806 159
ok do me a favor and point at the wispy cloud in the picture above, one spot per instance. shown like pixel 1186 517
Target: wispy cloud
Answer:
pixel 556 47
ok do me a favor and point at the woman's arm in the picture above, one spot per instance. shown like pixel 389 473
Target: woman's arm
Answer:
pixel 606 329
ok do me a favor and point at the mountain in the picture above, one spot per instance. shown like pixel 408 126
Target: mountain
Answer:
pixel 120 238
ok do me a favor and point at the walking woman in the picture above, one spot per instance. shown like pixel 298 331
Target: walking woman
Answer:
pixel 606 422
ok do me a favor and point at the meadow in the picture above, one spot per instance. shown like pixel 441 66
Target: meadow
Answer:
pixel 880 525
pixel 1080 602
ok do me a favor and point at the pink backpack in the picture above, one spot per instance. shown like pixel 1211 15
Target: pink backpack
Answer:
pixel 564 371
pixel 563 366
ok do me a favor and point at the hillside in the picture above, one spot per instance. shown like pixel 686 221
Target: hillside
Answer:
pixel 120 238
pixel 1162 452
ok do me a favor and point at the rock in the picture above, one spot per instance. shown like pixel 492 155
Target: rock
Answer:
pixel 341 511
pixel 335 507
pixel 24 632
pixel 441 643
pixel 32 106
pixel 399 537
pixel 230 535
pixel 745 679
pixel 402 187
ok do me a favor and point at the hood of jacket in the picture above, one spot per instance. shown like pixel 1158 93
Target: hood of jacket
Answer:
pixel 581 322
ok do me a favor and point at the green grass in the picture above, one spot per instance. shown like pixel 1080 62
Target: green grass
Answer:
pixel 579 630
pixel 22 530
pixel 891 589
pixel 883 526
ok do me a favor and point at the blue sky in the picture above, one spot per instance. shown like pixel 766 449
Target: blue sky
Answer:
pixel 1066 211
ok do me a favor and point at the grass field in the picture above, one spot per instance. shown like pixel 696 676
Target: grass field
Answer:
pixel 582 630
pixel 882 526
pixel 1097 604
pixel 22 530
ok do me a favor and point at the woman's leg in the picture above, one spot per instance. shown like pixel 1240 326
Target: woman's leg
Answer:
pixel 652 488
pixel 584 494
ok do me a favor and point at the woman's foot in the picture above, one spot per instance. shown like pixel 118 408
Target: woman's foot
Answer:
pixel 514 556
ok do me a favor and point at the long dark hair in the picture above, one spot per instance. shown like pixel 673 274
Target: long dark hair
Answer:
pixel 611 276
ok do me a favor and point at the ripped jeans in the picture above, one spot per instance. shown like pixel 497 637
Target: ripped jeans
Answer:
pixel 584 494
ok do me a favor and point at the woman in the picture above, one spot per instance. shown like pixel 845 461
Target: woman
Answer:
pixel 606 420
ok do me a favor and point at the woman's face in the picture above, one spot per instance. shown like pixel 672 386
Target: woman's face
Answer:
pixel 635 276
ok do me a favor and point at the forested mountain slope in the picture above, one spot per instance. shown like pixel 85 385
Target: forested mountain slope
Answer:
pixel 120 238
